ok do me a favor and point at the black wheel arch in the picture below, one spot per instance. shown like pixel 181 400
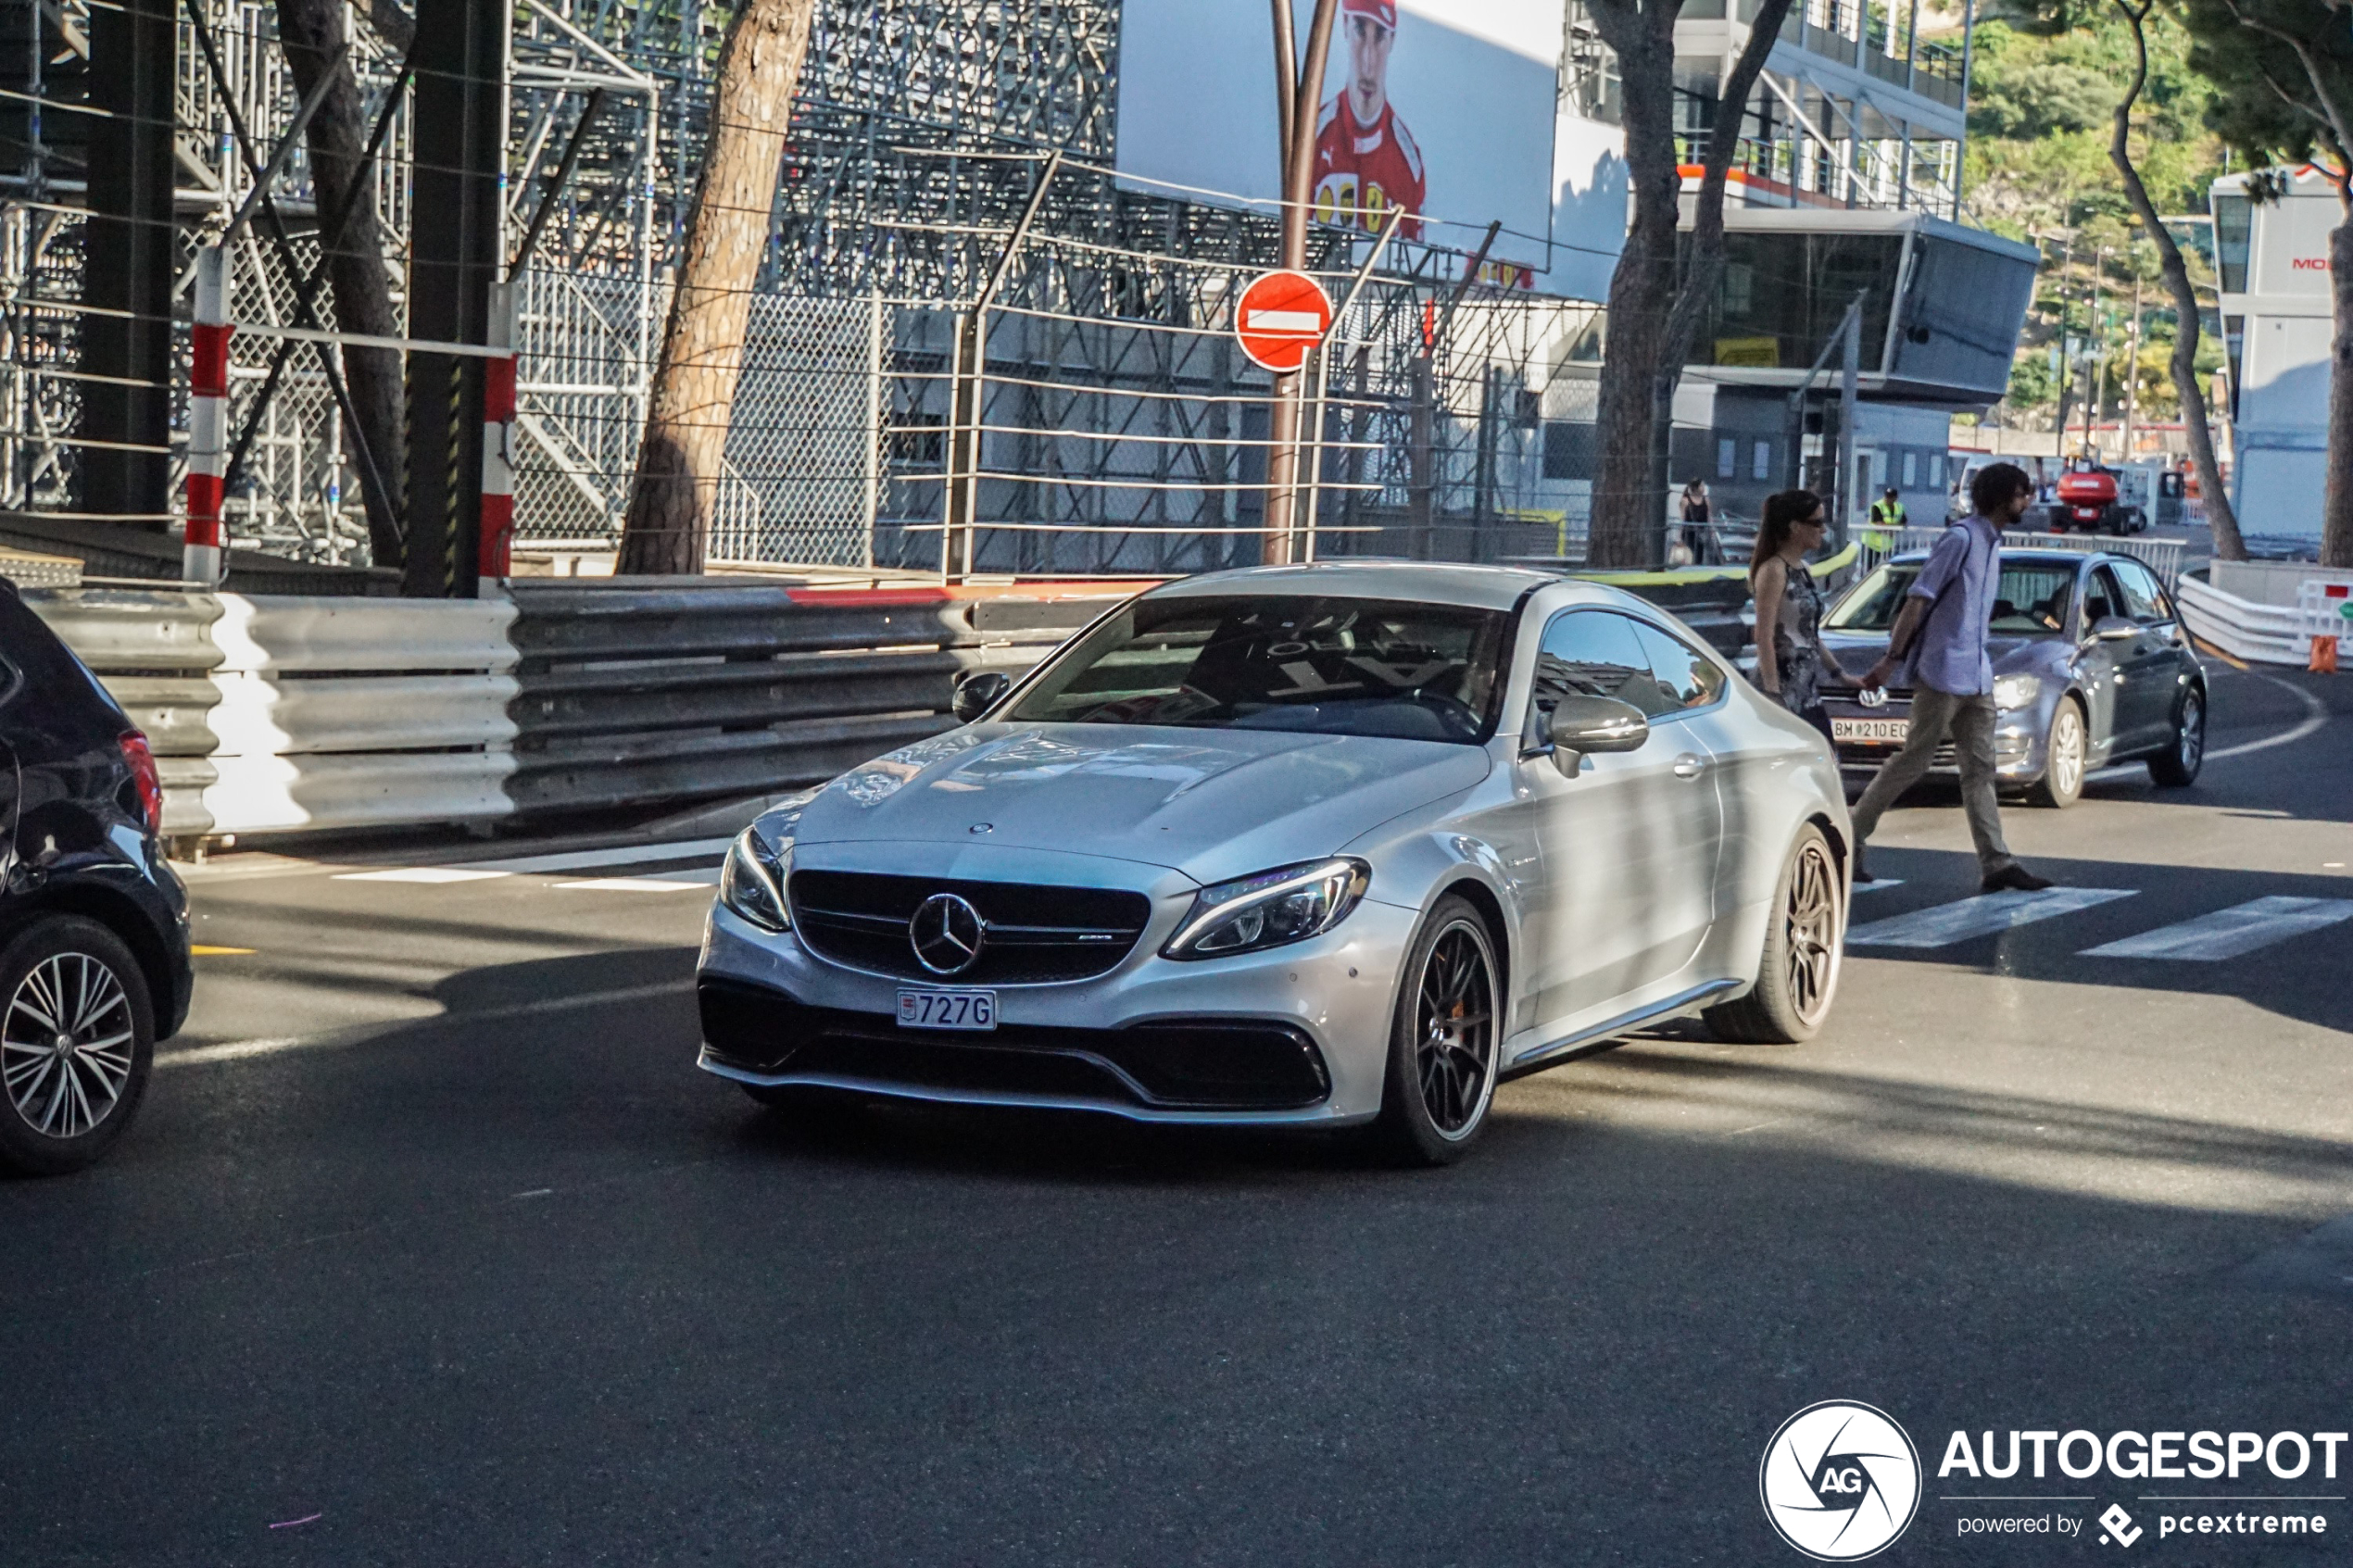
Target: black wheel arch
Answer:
pixel 168 990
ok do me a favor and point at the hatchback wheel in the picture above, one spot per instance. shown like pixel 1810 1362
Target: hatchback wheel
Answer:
pixel 1443 1045
pixel 75 1045
pixel 2063 758
pixel 1797 974
pixel 2177 766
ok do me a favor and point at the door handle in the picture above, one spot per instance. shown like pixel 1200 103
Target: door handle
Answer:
pixel 1689 767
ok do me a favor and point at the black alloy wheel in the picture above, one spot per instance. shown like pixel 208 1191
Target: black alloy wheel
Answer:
pixel 1444 1045
pixel 2177 766
pixel 1797 972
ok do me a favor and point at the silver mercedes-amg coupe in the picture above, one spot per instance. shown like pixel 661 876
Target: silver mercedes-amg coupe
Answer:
pixel 1317 845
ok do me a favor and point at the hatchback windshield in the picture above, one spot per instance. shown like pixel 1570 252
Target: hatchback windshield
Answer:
pixel 1262 661
pixel 2031 601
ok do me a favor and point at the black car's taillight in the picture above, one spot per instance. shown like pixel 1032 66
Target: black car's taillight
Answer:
pixel 142 763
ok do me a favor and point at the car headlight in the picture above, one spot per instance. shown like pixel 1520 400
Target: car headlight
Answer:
pixel 1289 904
pixel 752 881
pixel 2017 691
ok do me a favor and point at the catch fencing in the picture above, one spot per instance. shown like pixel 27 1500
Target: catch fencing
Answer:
pixel 2160 556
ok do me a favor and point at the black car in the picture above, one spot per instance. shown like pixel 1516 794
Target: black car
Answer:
pixel 93 922
pixel 2091 667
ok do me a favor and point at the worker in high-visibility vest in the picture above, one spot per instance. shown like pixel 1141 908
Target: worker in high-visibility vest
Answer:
pixel 1888 511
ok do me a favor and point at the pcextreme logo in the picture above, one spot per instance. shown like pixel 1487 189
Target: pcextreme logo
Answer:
pixel 1839 1480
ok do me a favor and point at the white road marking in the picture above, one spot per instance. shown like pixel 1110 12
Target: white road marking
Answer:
pixel 2316 715
pixel 666 882
pixel 1875 887
pixel 2226 934
pixel 421 874
pixel 572 860
pixel 1944 924
pixel 240 1050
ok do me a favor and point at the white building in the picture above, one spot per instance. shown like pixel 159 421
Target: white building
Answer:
pixel 2277 322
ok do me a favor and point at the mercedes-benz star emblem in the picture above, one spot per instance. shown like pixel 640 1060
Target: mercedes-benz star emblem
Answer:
pixel 947 933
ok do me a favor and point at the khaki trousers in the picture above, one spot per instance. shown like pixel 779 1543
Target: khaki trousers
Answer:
pixel 1969 721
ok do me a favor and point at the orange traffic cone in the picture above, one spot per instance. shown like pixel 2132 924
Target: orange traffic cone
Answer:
pixel 2324 657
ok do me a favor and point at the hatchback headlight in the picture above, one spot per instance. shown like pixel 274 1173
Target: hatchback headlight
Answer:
pixel 752 881
pixel 2017 691
pixel 1289 904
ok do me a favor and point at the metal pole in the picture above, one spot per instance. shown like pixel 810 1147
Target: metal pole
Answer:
pixel 1299 170
pixel 2132 371
pixel 1969 57
pixel 1324 374
pixel 1849 451
pixel 970 384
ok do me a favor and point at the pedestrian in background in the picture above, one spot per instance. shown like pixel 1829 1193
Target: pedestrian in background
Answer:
pixel 1888 511
pixel 1698 512
pixel 1791 658
pixel 1938 649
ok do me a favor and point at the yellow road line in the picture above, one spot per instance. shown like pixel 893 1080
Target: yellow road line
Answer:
pixel 200 950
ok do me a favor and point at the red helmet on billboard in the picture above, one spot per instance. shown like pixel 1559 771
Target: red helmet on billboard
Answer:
pixel 1381 11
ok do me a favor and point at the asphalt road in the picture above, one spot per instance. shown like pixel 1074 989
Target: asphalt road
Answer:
pixel 432 1247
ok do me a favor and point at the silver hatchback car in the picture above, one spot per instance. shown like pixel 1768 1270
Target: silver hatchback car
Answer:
pixel 1320 844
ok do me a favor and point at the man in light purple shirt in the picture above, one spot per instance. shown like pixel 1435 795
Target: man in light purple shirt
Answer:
pixel 1938 649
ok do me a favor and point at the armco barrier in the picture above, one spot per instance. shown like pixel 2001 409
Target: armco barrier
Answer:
pixel 155 652
pixel 634 695
pixel 2261 633
pixel 353 712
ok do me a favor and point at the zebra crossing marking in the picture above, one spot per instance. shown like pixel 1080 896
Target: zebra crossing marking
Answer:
pixel 570 860
pixel 2228 934
pixel 1940 925
pixel 660 881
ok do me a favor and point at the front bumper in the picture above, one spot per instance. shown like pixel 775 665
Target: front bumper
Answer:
pixel 1294 1034
pixel 2020 739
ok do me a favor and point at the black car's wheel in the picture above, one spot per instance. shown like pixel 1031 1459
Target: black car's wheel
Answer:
pixel 1797 974
pixel 2176 767
pixel 2064 755
pixel 76 1044
pixel 1444 1042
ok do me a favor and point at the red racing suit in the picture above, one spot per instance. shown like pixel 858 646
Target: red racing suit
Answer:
pixel 1362 171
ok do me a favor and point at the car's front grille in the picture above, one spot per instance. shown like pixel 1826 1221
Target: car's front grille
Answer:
pixel 1034 932
pixel 1186 1064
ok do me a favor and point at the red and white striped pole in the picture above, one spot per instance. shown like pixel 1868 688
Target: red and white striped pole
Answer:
pixel 208 419
pixel 493 556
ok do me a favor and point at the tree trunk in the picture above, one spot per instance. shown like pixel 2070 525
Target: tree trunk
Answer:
pixel 310 32
pixel 1702 262
pixel 676 488
pixel 1628 515
pixel 2187 323
pixel 2336 510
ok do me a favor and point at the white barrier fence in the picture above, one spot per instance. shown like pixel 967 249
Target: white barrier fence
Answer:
pixel 2249 609
pixel 351 713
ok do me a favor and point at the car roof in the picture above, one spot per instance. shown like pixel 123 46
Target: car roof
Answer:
pixel 1438 583
pixel 2032 555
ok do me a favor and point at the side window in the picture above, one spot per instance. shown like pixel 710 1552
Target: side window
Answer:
pixel 1687 676
pixel 2144 600
pixel 1593 653
pixel 2102 598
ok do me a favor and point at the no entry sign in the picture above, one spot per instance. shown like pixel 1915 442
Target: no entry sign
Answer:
pixel 1281 317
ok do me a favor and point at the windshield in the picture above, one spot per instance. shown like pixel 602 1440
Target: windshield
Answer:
pixel 2031 602
pixel 1265 661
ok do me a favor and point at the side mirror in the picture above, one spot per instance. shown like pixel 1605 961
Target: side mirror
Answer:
pixel 977 691
pixel 2114 629
pixel 1578 725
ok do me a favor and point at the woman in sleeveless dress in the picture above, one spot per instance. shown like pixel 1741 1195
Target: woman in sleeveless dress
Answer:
pixel 1791 659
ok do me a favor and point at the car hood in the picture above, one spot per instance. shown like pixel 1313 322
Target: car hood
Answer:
pixel 1214 804
pixel 2011 656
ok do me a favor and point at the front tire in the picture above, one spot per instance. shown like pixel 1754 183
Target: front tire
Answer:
pixel 2177 767
pixel 1445 1041
pixel 2064 755
pixel 77 1041
pixel 1797 972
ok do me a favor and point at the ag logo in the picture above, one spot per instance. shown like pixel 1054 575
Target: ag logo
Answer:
pixel 1840 1480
